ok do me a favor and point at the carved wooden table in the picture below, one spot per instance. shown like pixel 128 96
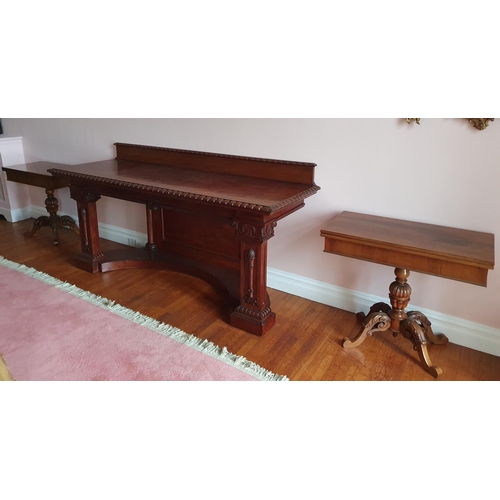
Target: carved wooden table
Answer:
pixel 35 174
pixel 208 215
pixel 438 250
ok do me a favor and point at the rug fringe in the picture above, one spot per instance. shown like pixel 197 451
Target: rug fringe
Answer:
pixel 165 329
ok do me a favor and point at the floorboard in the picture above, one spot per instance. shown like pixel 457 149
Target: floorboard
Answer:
pixel 305 343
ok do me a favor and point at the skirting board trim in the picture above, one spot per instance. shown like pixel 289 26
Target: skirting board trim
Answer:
pixel 17 214
pixel 106 231
pixel 459 331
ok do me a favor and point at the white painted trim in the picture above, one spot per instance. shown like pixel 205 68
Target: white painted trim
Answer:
pixel 13 196
pixel 106 231
pixel 124 236
pixel 17 214
pixel 6 213
pixel 459 331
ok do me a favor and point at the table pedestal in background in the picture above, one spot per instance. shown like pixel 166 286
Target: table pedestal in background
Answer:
pixel 35 174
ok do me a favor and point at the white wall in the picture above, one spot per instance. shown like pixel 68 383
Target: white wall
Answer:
pixel 442 171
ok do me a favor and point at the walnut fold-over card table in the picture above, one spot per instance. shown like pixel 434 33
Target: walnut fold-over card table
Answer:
pixel 409 246
pixel 36 174
pixel 208 215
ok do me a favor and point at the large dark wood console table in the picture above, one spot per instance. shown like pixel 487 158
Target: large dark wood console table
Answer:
pixel 36 174
pixel 208 215
pixel 438 250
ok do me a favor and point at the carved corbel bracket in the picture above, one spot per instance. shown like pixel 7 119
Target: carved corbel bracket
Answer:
pixel 79 193
pixel 255 232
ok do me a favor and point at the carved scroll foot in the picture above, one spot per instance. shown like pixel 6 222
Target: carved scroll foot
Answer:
pixel 426 362
pixel 42 221
pixel 62 221
pixel 375 322
pixel 425 324
pixel 68 222
pixel 417 334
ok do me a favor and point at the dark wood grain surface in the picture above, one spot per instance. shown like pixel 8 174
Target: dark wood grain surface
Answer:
pixel 448 252
pixel 209 215
pixel 36 174
pixel 164 178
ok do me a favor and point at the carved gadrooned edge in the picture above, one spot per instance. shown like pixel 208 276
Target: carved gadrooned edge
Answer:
pixel 192 196
pixel 216 155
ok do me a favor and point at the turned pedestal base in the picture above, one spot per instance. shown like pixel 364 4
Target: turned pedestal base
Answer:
pixel 413 325
pixel 53 220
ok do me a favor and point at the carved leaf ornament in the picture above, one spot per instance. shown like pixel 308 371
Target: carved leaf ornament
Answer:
pixel 479 123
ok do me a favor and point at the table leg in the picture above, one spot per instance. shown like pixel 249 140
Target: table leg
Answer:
pixel 150 207
pixel 253 314
pixel 375 322
pixel 420 318
pixel 90 256
pixel 413 325
pixel 52 220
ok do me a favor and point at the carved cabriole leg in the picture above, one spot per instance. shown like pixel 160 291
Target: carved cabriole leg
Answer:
pixel 88 258
pixel 375 322
pixel 253 314
pixel 67 221
pixel 416 334
pixel 425 324
pixel 39 223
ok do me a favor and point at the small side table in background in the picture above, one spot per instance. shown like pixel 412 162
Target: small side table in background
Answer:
pixel 35 174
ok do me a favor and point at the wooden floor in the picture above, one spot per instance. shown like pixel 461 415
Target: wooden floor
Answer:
pixel 304 344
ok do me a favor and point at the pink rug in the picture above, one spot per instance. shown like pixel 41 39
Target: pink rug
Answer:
pixel 50 330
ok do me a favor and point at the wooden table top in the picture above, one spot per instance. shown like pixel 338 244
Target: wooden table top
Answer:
pixel 267 195
pixel 36 174
pixel 443 251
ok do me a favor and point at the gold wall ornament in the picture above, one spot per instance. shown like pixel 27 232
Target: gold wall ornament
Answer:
pixel 481 123
pixel 416 120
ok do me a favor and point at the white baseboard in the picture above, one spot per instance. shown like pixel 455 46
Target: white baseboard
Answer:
pixel 106 231
pixel 459 331
pixel 127 237
pixel 17 214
